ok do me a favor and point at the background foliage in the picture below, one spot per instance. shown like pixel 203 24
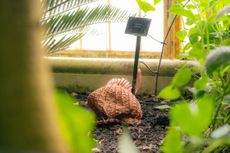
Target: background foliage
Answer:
pixel 194 122
pixel 204 28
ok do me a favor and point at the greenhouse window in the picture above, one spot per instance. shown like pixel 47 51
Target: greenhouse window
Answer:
pixel 110 40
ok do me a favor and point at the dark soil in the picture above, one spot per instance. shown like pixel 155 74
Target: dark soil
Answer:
pixel 147 136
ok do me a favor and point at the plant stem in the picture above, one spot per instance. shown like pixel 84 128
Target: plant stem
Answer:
pixel 213 146
pixel 161 56
pixel 207 38
pixel 220 103
pixel 162 50
pixel 228 118
pixel 216 114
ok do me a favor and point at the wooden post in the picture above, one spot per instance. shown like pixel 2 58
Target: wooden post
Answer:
pixel 173 44
pixel 28 121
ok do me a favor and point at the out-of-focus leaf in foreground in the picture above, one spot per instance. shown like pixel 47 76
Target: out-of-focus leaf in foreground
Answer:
pixel 76 124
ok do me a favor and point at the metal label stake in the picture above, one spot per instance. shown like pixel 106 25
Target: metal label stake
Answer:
pixel 139 27
pixel 135 67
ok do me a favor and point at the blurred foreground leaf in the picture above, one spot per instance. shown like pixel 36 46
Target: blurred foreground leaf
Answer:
pixel 173 141
pixel 76 124
pixel 193 118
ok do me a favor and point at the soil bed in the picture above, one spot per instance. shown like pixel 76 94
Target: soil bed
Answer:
pixel 147 136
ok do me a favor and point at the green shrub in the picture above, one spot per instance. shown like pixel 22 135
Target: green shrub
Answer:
pixel 201 124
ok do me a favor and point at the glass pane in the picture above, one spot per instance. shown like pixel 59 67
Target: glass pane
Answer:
pixel 156 30
pixel 129 5
pixel 96 38
pixel 121 41
pixel 75 45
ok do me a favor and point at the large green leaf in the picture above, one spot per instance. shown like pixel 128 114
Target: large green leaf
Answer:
pixel 193 118
pixel 76 124
pixel 219 57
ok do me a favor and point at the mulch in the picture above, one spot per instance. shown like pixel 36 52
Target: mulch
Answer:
pixel 147 136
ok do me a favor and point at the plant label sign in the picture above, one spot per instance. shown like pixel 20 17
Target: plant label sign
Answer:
pixel 138 26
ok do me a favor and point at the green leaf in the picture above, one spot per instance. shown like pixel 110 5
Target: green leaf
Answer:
pixel 145 6
pixel 181 35
pixel 125 143
pixel 178 9
pixel 156 1
pixel 173 141
pixel 226 42
pixel 182 77
pixel 198 53
pixel 217 143
pixel 193 38
pixel 76 124
pixel 191 6
pixel 170 92
pixel 201 83
pixel 187 46
pixel 193 118
pixel 219 57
